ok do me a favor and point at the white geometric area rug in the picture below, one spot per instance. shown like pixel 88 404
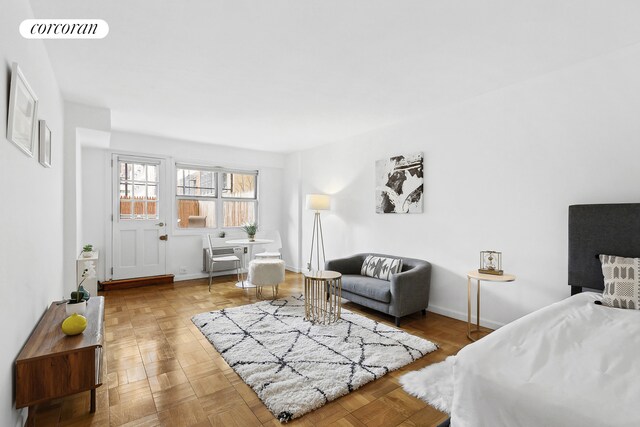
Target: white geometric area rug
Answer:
pixel 295 366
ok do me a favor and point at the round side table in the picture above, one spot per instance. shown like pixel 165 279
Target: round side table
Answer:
pixel 480 277
pixel 322 294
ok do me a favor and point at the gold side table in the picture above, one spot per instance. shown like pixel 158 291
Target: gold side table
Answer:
pixel 480 277
pixel 322 294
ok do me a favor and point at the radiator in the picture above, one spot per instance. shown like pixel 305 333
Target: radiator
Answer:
pixel 222 266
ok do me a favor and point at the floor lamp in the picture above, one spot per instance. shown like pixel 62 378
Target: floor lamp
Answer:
pixel 317 202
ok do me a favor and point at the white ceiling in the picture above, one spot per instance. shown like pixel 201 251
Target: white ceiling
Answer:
pixel 290 74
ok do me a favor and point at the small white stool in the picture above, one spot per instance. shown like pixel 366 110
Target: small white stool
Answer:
pixel 266 272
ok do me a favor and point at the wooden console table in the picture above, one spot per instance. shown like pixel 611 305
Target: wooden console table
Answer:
pixel 53 365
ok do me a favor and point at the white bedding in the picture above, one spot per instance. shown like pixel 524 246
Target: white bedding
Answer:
pixel 573 363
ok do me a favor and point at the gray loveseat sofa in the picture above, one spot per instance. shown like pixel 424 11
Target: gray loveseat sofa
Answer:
pixel 407 292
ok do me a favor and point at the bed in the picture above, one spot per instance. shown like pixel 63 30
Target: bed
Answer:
pixel 573 363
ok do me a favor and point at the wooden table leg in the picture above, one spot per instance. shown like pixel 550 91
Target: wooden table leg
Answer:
pixel 93 400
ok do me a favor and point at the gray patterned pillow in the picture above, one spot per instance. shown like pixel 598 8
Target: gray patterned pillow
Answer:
pixel 380 267
pixel 621 281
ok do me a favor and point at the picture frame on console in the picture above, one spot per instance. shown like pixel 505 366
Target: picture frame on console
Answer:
pixel 22 126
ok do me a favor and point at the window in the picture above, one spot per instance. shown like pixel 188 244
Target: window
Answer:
pixel 239 198
pixel 200 204
pixel 196 198
pixel 138 190
pixel 193 182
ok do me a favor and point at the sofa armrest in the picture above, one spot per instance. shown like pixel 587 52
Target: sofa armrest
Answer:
pixel 410 290
pixel 348 265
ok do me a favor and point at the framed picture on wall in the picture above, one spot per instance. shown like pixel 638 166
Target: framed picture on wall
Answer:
pixel 400 184
pixel 44 148
pixel 22 128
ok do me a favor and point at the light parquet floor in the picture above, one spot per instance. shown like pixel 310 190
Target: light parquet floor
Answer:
pixel 160 370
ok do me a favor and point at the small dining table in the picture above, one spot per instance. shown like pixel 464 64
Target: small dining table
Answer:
pixel 249 244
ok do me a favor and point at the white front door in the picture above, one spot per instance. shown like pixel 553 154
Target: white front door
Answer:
pixel 139 212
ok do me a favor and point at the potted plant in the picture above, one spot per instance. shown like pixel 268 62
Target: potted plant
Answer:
pixel 250 228
pixel 78 301
pixel 87 251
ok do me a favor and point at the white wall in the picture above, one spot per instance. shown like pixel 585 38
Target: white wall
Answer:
pixel 182 250
pixel 500 172
pixel 31 218
pixel 81 124
pixel 292 212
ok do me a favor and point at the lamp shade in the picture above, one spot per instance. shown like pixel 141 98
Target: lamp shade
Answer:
pixel 318 202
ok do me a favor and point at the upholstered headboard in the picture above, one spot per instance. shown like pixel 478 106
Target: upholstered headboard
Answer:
pixel 600 229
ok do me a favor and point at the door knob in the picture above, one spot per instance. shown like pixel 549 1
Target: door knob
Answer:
pixel 160 224
pixel 164 237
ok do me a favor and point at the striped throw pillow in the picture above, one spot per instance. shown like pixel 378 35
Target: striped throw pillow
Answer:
pixel 380 267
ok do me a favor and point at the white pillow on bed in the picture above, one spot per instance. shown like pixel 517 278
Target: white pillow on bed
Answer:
pixel 621 281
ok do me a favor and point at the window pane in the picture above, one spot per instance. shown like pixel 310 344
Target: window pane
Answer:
pixel 152 210
pixel 239 185
pixel 138 209
pixel 192 182
pixel 125 201
pixel 152 173
pixel 238 213
pixel 139 192
pixel 152 192
pixel 125 207
pixel 139 172
pixel 196 213
pixel 125 190
pixel 125 171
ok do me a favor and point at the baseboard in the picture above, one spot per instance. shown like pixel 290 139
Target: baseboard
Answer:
pixel 193 276
pixel 488 323
pixel 112 285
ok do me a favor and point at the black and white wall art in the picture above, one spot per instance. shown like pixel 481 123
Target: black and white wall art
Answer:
pixel 399 184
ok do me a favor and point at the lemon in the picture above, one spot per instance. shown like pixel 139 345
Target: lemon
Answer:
pixel 74 324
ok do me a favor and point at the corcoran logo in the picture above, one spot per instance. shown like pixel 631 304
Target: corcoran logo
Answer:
pixel 64 29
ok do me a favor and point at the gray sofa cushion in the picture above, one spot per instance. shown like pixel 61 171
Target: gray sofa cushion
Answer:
pixel 376 289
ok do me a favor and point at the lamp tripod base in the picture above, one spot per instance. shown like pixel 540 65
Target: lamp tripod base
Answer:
pixel 317 242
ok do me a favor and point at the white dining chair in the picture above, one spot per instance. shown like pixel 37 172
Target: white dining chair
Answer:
pixel 271 250
pixel 224 258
